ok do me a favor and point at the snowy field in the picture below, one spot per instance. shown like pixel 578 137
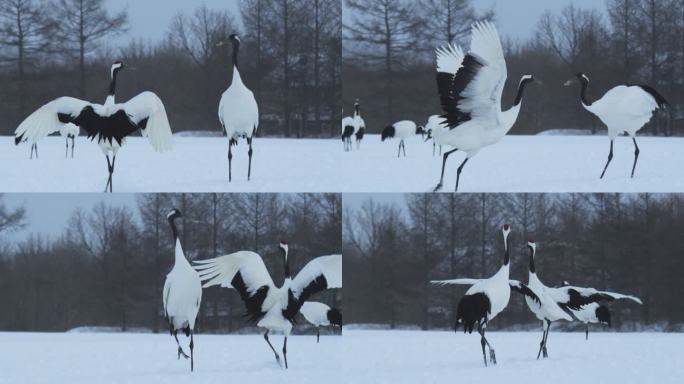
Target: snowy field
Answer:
pixel 83 358
pixel 397 357
pixel 546 163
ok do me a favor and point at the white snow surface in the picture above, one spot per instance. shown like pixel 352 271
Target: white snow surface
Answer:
pixel 83 358
pixel 397 357
pixel 199 164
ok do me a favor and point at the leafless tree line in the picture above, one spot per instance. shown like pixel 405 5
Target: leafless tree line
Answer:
pixel 389 58
pixel 291 58
pixel 626 243
pixel 108 266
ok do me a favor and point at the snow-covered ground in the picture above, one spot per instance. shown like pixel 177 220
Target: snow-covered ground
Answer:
pixel 397 357
pixel 546 163
pixel 86 358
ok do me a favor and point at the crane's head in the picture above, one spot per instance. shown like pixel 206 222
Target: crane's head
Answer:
pixel 174 214
pixel 334 317
pixel 527 79
pixel 283 248
pixel 232 39
pixel 565 283
pixel 506 229
pixel 532 246
pixel 117 66
pixel 428 133
pixel 580 78
pixel 420 130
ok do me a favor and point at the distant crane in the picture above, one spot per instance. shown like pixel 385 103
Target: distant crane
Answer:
pixel 401 130
pixel 321 315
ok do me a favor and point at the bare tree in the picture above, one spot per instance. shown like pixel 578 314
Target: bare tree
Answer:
pixel 450 21
pixel 11 219
pixel 81 24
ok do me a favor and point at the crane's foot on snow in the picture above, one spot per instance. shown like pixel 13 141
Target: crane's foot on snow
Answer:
pixel 182 353
pixel 438 188
pixel 544 353
pixel 492 356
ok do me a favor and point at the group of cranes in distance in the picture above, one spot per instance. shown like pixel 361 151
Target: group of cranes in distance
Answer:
pixel 267 305
pixel 470 88
pixel 486 298
pixel 109 124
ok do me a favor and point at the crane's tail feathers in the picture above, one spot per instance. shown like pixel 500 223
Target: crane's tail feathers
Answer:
pixel 660 100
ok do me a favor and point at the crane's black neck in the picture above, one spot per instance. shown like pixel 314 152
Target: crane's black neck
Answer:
pixel 507 257
pixel 174 230
pixel 112 84
pixel 532 270
pixel 287 263
pixel 584 83
pixel 357 110
pixel 521 90
pixel 236 51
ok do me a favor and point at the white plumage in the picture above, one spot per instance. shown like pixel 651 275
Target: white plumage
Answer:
pixel 470 88
pixel 348 127
pixel 401 130
pixel 238 112
pixel 109 124
pixel 434 122
pixel 182 294
pixel 273 308
pixel 624 108
pixel 320 315
pixel 69 132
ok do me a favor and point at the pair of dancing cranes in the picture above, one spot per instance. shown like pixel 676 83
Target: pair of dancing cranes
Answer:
pixel 109 124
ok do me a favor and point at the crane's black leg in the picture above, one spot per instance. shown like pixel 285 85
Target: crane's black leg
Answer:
pixel 318 335
pixel 610 157
pixel 636 155
pixel 548 329
pixel 403 146
pixel 192 355
pixel 399 151
pixel 285 351
pixel 541 343
pixel 180 350
pixel 73 144
pixel 66 154
pixel 111 175
pixel 272 349
pixel 458 174
pixel 444 160
pixel 230 160
pixel 249 169
pixel 586 332
pixel 109 169
pixel 434 147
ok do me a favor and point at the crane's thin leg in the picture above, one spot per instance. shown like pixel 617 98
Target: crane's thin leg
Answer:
pixel 111 176
pixel 73 144
pixel 458 174
pixel 66 154
pixel 285 351
pixel 318 335
pixel 249 169
pixel 586 332
pixel 109 169
pixel 180 350
pixel 399 151
pixel 483 342
pixel 272 349
pixel 636 155
pixel 548 329
pixel 403 146
pixel 192 355
pixel 434 147
pixel 440 150
pixel 230 160
pixel 610 157
pixel 444 160
pixel 542 343
pixel 32 151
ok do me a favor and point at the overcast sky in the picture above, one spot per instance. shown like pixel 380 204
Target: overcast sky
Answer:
pixel 48 213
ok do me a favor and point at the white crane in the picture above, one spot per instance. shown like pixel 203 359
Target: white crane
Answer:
pixel 486 298
pixel 347 132
pixel 273 308
pixel 401 130
pixel 625 108
pixel 359 124
pixel 545 309
pixel 108 124
pixel 321 315
pixel 434 122
pixel 584 303
pixel 238 111
pixel 470 88
pixel 182 294
pixel 68 132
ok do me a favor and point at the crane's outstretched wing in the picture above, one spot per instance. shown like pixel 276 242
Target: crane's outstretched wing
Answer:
pixel 519 287
pixel 456 282
pixel 575 297
pixel 449 62
pixel 49 118
pixel 146 111
pixel 319 274
pixel 245 271
pixel 476 87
